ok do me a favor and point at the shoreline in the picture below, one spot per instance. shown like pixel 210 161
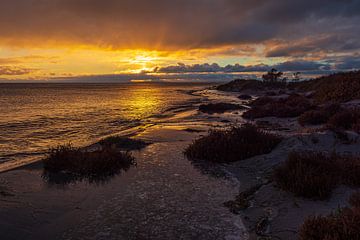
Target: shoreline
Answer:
pixel 279 213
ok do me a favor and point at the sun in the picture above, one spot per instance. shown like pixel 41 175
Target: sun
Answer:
pixel 145 61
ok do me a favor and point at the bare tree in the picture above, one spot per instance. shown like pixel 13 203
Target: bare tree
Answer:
pixel 272 76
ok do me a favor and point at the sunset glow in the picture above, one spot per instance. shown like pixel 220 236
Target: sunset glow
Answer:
pixel 56 39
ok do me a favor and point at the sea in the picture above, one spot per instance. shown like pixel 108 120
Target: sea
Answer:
pixel 35 117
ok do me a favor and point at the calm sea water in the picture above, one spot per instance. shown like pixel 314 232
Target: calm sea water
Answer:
pixel 35 117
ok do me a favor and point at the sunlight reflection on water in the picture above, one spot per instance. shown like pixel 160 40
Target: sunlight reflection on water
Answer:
pixel 38 116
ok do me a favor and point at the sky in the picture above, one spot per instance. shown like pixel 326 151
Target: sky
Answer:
pixel 175 39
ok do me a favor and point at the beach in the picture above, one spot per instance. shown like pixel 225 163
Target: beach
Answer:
pixel 167 196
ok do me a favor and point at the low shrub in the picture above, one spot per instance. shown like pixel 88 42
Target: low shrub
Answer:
pixel 67 164
pixel 314 174
pixel 344 224
pixel 307 174
pixel 292 106
pixel 232 145
pixel 219 107
pixel 245 97
pixel 239 85
pixel 347 119
pixel 319 116
pixel 354 200
pixel 123 143
pixel 338 87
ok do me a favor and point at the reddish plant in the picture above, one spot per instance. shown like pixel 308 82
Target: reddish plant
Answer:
pixel 307 174
pixel 292 106
pixel 345 224
pixel 232 145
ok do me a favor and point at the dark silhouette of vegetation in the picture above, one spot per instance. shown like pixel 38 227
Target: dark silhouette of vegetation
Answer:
pixel 292 106
pixel 314 175
pixel 338 87
pixel 320 115
pixel 245 97
pixel 273 76
pixel 66 164
pixel 307 174
pixel 340 225
pixel 123 143
pixel 219 107
pixel 231 145
pixel 354 199
pixel 240 85
pixel 346 119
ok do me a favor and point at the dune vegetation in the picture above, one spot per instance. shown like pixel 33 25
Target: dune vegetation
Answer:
pixel 315 175
pixel 291 106
pixel 233 144
pixel 342 224
pixel 66 164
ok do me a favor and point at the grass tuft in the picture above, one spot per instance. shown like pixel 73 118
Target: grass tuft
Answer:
pixel 65 164
pixel 292 106
pixel 347 119
pixel 343 224
pixel 319 116
pixel 314 175
pixel 307 174
pixel 231 145
pixel 123 143
pixel 219 107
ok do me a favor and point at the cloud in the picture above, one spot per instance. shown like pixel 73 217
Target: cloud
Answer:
pixel 14 71
pixel 236 68
pixel 176 24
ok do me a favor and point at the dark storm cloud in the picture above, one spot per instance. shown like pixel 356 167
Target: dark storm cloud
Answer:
pixel 178 23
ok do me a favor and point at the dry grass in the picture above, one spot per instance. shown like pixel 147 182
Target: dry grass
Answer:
pixel 314 175
pixel 123 143
pixel 231 145
pixel 344 224
pixel 339 87
pixel 307 174
pixel 219 107
pixel 66 164
pixel 239 85
pixel 245 97
pixel 347 119
pixel 319 116
pixel 292 106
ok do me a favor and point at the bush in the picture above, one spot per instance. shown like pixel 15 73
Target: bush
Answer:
pixel 307 174
pixel 339 87
pixel 239 85
pixel 314 175
pixel 123 143
pixel 319 116
pixel 347 119
pixel 66 163
pixel 348 167
pixel 245 97
pixel 219 107
pixel 231 145
pixel 354 200
pixel 344 224
pixel 292 106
